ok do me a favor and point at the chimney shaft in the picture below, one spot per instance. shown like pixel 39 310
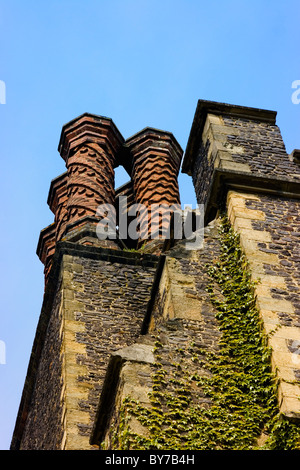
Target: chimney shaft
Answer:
pixel 90 146
pixel 156 157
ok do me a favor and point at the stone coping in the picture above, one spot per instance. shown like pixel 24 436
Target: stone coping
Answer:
pixel 225 180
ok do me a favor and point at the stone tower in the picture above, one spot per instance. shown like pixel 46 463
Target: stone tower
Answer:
pixel 134 332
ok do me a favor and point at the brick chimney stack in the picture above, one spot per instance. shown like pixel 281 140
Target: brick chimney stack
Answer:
pixel 156 158
pixel 57 201
pixel 92 147
pixel 46 248
pixel 89 145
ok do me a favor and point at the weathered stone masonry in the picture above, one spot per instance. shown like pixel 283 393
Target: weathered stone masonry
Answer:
pixel 251 176
pixel 98 309
pixel 47 400
pixel 269 232
pixel 104 303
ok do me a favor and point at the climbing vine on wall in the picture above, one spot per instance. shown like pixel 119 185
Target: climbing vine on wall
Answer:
pixel 224 400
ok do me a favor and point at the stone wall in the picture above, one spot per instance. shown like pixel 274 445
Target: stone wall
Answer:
pixel 240 145
pixel 156 394
pixel 269 229
pixel 99 308
pixel 260 146
pixel 183 321
pixel 44 423
pixel 113 299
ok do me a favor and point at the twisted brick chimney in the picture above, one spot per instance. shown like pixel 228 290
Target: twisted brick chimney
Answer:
pixel 156 157
pixel 89 145
pixel 57 201
pixel 46 248
pixel 92 147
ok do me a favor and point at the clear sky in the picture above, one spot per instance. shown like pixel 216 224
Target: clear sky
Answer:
pixel 141 63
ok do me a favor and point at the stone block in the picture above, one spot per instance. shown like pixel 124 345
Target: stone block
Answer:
pixel 240 223
pixel 218 128
pixel 256 268
pixel 257 256
pixel 232 165
pixel 263 290
pixel 77 268
pixel 258 235
pixel 214 119
pixel 249 214
pixel 289 333
pixel 270 319
pixel 290 406
pixel 267 303
pixel 281 357
pixel 137 352
pixel 272 281
pixel 241 195
pixel 74 441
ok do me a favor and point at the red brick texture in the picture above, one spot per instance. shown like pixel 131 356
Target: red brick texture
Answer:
pixel 92 147
pixel 156 158
pixel 57 201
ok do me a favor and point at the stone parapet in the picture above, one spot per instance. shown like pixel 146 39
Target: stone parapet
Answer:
pixel 227 141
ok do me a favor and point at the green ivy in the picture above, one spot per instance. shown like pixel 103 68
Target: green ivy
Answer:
pixel 237 381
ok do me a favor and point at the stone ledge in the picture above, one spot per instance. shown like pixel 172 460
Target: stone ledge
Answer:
pixel 226 180
pixel 139 352
pixel 106 254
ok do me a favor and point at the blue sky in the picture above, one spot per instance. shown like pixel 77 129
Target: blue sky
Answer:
pixel 141 63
